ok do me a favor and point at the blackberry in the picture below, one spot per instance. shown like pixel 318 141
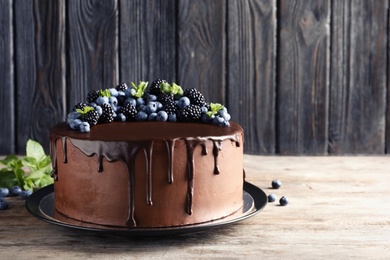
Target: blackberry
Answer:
pixel 155 86
pixel 189 113
pixel 170 107
pixel 92 96
pixel 163 98
pixel 79 106
pixel 92 117
pixel 129 111
pixel 107 115
pixel 121 87
pixel 195 96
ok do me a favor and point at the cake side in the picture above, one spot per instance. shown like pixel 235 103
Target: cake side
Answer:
pixel 140 177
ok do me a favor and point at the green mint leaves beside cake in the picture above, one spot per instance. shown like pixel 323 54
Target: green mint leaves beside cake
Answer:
pixel 159 101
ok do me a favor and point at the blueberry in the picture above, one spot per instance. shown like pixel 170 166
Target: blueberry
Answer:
pixel 159 105
pixel 24 194
pixel 225 124
pixel 15 191
pixel 113 101
pixel 92 104
pixel 85 127
pixel 283 201
pixel 102 100
pixel 271 197
pixel 206 119
pixel 151 107
pixel 128 92
pixel 183 102
pixel 140 101
pixel 141 108
pixel 72 116
pixel 223 113
pixel 276 184
pixel 121 93
pixel 3 204
pixel 141 116
pixel 133 92
pixel 4 192
pixel 204 109
pixel 162 116
pixel 218 120
pixel 99 109
pixel 120 117
pixel 152 97
pixel 113 92
pixel 131 101
pixel 75 124
pixel 152 116
pixel 172 118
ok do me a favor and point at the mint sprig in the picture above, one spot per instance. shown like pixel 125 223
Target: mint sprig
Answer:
pixel 85 110
pixel 36 161
pixel 171 88
pixel 214 108
pixel 104 93
pixel 140 88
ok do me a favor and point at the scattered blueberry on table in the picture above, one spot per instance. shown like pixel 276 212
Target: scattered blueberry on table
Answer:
pixel 15 191
pixel 4 192
pixel 3 204
pixel 24 194
pixel 283 201
pixel 271 197
pixel 276 184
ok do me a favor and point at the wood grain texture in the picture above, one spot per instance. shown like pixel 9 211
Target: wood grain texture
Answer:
pixel 7 112
pixel 201 47
pixel 93 47
pixel 40 68
pixel 358 77
pixel 303 77
pixel 251 71
pixel 147 40
pixel 338 209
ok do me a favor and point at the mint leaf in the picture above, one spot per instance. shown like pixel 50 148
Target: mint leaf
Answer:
pixel 30 162
pixel 105 93
pixel 85 110
pixel 35 150
pixel 214 108
pixel 7 178
pixel 9 160
pixel 140 88
pixel 171 88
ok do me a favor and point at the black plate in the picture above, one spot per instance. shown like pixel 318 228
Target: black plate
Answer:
pixel 41 205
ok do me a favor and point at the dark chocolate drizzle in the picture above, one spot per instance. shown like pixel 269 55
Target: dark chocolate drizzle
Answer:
pixel 126 151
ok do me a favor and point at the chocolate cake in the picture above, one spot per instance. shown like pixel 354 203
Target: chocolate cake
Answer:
pixel 138 157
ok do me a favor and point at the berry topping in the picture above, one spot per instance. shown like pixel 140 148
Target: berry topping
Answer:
pixel 129 111
pixel 107 115
pixel 91 117
pixel 92 96
pixel 189 113
pixel 79 106
pixel 121 87
pixel 154 88
pixel 195 96
pixel 160 101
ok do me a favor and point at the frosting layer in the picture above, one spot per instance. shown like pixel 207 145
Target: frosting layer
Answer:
pixel 167 167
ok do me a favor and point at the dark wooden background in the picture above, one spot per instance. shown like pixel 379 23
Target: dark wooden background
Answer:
pixel 302 77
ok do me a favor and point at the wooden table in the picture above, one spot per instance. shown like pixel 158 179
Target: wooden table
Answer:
pixel 339 208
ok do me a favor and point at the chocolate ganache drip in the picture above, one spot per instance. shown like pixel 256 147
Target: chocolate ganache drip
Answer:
pixel 126 152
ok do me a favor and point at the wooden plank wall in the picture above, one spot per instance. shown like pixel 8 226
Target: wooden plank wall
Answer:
pixel 301 76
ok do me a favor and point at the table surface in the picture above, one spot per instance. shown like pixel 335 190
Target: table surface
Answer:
pixel 339 208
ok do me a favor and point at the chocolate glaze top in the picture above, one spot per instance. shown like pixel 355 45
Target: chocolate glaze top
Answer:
pixel 134 131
